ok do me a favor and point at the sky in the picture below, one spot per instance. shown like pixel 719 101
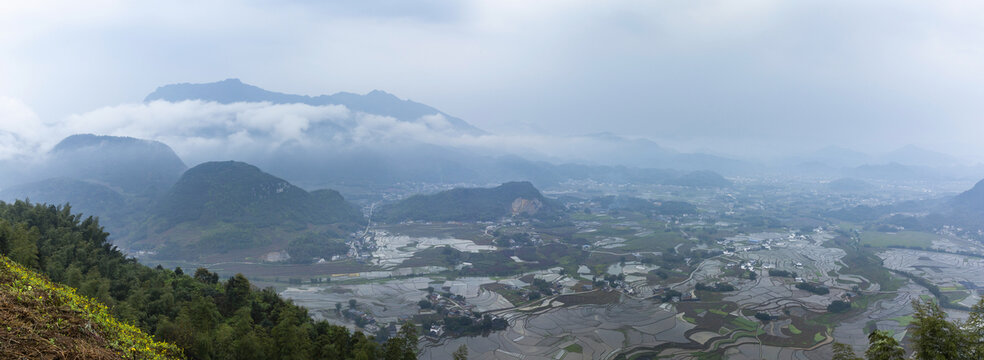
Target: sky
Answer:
pixel 756 78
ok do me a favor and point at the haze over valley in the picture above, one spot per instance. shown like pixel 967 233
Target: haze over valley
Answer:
pixel 491 180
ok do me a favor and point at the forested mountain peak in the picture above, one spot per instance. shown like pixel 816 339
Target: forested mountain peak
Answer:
pixel 238 192
pixel 472 204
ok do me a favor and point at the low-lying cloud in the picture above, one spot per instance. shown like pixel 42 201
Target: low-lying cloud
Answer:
pixel 202 131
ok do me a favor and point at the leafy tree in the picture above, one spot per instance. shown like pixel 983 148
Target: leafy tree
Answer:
pixel 838 306
pixel 4 237
pixel 237 290
pixel 933 337
pixel 881 346
pixel 763 317
pixel 205 276
pixel 20 243
pixel 844 352
pixel 461 353
pixel 403 346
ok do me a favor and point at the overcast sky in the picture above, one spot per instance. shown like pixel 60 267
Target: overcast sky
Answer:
pixel 757 77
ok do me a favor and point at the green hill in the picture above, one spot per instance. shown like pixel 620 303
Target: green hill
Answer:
pixel 237 192
pixel 233 210
pixel 474 204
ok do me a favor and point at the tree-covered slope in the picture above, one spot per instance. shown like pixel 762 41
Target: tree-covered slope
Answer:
pixel 474 204
pixel 206 317
pixel 237 192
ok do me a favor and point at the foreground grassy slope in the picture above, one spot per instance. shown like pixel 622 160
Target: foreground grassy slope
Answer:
pixel 42 319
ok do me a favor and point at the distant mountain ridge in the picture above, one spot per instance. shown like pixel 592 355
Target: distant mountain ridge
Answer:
pixel 971 200
pixel 474 204
pixel 136 166
pixel 375 102
pixel 114 178
pixel 917 156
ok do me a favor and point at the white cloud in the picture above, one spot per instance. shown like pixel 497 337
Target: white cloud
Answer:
pixel 688 72
pixel 21 131
pixel 204 131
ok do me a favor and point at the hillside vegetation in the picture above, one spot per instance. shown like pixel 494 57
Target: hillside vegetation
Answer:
pixel 222 207
pixel 474 204
pixel 205 317
pixel 237 192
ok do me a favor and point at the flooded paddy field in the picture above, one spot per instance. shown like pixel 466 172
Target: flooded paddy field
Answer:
pixel 574 332
pixel 635 318
pixel 390 300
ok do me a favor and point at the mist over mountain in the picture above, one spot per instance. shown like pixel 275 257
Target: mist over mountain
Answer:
pixel 115 178
pixel 375 102
pixel 84 196
pixel 971 200
pixel 375 138
pixel 917 156
pixel 833 156
pixel 491 179
pixel 134 166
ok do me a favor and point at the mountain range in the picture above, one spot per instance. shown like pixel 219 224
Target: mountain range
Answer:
pixel 375 102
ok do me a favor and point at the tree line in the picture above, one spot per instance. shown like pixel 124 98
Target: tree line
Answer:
pixel 933 337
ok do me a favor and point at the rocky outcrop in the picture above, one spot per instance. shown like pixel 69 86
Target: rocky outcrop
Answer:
pixel 526 206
